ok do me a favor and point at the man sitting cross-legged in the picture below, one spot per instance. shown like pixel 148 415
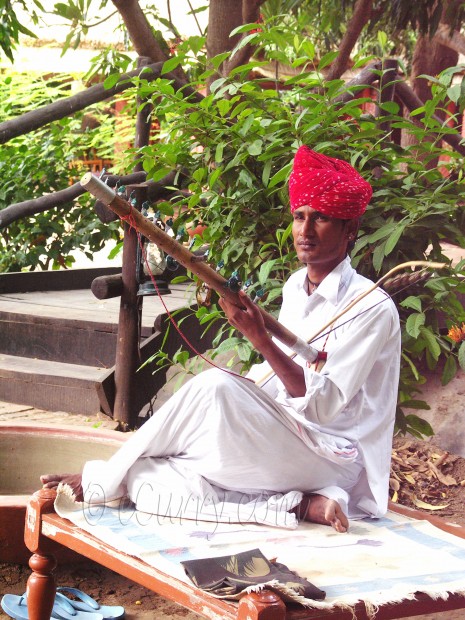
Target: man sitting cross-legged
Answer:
pixel 320 440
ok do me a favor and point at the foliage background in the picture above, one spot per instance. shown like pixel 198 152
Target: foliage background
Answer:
pixel 237 145
pixel 49 160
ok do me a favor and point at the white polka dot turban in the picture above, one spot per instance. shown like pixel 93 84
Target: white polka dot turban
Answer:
pixel 329 185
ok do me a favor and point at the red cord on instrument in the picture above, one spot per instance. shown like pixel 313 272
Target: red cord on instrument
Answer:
pixel 129 218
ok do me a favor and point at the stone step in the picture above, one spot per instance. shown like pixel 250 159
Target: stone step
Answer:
pixel 54 386
pixel 71 342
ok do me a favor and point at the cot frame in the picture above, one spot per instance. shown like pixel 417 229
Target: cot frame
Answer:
pixel 44 529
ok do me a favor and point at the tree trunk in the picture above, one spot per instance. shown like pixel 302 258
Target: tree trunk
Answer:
pixel 430 57
pixel 223 17
pixel 454 40
pixel 139 30
pixel 141 34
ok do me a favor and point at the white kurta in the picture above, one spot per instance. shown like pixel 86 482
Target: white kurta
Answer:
pixel 224 445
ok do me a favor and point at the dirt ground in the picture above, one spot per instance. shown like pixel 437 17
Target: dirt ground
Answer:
pixel 422 475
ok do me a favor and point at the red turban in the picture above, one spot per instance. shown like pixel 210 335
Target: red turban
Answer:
pixel 329 185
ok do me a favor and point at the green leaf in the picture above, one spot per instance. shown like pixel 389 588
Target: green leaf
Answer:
pixel 378 257
pixel 266 172
pixel 327 59
pixel 111 81
pixel 248 38
pixel 461 356
pixel 171 64
pixel 281 175
pixel 431 342
pixel 390 106
pixel 217 84
pixel 415 404
pixel 199 175
pixel 255 148
pixel 246 124
pixel 214 176
pixel 412 302
pixel 116 250
pixel 265 271
pixel 224 105
pixel 216 61
pixel 454 92
pixel 228 345
pixel 219 152
pixel 418 426
pixel 243 28
pixel 414 323
pixel 382 39
pixel 383 232
pixel 393 239
pixel 449 370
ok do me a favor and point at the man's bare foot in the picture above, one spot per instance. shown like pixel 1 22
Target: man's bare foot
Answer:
pixel 51 481
pixel 320 509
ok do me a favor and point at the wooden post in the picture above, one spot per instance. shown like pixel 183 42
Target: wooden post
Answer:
pixel 106 287
pixel 127 346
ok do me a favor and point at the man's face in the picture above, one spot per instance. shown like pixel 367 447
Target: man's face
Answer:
pixel 321 240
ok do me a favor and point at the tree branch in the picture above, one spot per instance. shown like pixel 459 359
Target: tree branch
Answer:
pixel 28 208
pixel 454 41
pixel 359 19
pixel 365 78
pixel 139 30
pixel 38 205
pixel 250 15
pixel 155 191
pixel 413 102
pixel 65 107
pixel 141 34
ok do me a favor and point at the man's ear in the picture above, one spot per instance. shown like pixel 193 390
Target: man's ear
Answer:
pixel 352 229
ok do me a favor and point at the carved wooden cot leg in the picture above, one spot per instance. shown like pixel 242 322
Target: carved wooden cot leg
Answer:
pixel 263 605
pixel 41 586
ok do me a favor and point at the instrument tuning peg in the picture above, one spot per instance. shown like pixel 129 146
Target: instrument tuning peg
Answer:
pixel 234 283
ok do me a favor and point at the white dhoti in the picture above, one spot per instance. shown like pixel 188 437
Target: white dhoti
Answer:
pixel 217 444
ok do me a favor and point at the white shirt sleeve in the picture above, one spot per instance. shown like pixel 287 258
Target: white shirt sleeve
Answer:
pixel 355 350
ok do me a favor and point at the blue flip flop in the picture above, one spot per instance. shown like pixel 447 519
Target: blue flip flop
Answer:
pixel 63 609
pixel 15 606
pixel 87 604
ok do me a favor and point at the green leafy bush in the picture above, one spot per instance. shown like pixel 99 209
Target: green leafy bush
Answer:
pixel 45 161
pixel 238 145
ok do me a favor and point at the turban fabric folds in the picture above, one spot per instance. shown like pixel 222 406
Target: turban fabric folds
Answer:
pixel 329 185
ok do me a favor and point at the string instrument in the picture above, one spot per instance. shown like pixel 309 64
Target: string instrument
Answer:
pixel 214 280
pixel 190 261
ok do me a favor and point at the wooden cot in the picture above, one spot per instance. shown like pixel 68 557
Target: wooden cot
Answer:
pixel 44 529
